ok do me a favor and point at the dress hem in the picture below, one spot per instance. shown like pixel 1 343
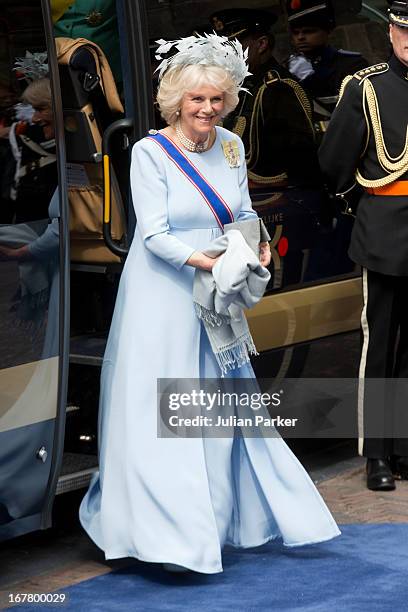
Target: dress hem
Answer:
pixel 279 536
pixel 161 561
pixel 118 555
pixel 309 542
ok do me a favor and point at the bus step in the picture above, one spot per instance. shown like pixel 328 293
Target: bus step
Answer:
pixel 76 472
pixel 72 408
pixel 74 481
pixel 88 349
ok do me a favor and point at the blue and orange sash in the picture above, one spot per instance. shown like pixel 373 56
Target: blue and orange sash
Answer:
pixel 215 202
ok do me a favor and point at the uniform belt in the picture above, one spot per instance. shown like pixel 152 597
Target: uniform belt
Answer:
pixel 397 188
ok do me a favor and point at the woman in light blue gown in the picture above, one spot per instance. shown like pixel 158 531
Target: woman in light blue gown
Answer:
pixel 174 500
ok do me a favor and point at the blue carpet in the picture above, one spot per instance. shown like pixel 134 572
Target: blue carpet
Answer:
pixel 363 570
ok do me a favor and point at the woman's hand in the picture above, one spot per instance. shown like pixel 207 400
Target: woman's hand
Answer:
pixel 202 261
pixel 264 254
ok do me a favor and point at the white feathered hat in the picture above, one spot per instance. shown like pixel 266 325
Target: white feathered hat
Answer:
pixel 33 66
pixel 207 50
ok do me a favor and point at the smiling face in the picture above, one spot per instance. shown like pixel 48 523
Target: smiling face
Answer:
pixel 200 110
pixel 399 41
pixel 43 116
pixel 38 94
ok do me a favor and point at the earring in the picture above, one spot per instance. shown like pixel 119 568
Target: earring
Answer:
pixel 178 113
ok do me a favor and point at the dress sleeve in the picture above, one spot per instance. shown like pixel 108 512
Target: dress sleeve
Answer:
pixel 246 212
pixel 149 194
pixel 47 245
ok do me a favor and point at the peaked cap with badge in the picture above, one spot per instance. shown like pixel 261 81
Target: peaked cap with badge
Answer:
pixel 236 23
pixel 366 144
pixel 398 13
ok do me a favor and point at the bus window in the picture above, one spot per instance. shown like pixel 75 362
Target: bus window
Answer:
pixel 30 279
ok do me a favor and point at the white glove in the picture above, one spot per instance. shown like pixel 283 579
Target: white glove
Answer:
pixel 300 66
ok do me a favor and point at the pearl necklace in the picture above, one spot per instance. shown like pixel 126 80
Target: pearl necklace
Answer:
pixel 190 145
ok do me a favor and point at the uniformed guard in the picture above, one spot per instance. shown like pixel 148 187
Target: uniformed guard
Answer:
pixel 319 67
pixel 274 118
pixel 367 143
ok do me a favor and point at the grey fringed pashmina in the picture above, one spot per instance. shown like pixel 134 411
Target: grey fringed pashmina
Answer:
pixel 237 281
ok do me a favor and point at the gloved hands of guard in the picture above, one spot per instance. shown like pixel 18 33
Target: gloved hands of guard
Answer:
pixel 300 66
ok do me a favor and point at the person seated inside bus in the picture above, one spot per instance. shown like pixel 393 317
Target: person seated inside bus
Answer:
pixel 94 20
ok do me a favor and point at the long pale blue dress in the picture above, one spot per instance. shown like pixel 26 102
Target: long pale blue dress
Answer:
pixel 180 500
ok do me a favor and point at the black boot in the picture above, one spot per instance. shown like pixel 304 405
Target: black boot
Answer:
pixel 379 475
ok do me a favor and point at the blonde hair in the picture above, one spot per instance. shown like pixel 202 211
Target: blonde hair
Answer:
pixel 179 80
pixel 38 93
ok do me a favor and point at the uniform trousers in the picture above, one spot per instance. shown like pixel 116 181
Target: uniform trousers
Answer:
pixel 383 375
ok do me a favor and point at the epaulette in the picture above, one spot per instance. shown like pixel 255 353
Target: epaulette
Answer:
pixel 271 77
pixel 365 73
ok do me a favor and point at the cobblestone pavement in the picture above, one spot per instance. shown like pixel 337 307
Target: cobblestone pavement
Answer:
pixel 351 502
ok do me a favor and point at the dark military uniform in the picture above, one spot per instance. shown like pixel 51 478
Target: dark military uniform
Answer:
pixel 274 121
pixel 366 140
pixel 330 67
pixel 274 118
pixel 327 66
